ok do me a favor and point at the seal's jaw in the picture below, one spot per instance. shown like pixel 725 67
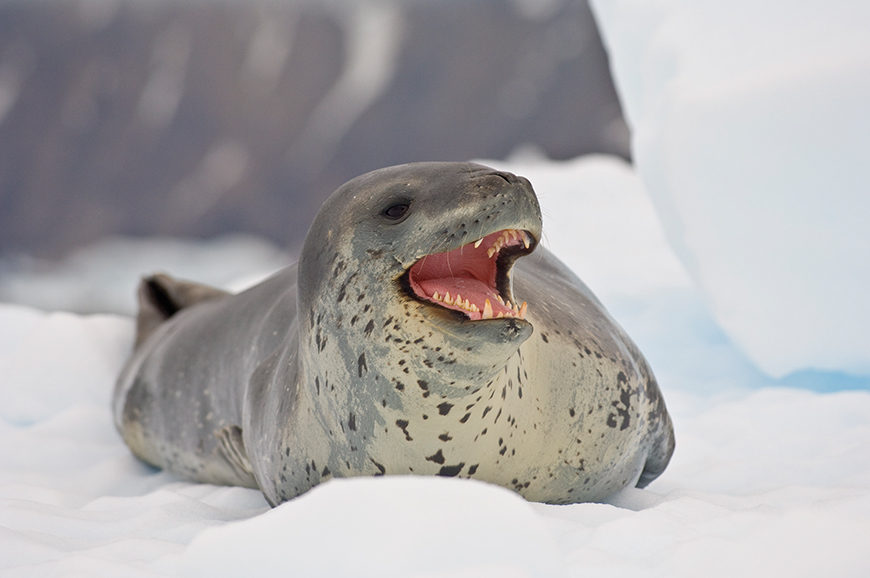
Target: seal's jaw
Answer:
pixel 472 280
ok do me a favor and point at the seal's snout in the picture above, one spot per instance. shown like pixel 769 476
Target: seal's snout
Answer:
pixel 509 177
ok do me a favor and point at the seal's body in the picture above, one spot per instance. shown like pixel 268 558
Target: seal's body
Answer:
pixel 398 346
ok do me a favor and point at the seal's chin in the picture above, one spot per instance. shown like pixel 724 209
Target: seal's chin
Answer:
pixel 473 279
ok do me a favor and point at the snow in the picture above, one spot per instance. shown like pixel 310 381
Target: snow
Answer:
pixel 385 529
pixel 751 130
pixel 767 480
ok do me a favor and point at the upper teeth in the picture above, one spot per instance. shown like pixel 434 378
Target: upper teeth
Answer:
pixel 506 237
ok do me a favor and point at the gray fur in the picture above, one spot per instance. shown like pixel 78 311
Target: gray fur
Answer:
pixel 330 369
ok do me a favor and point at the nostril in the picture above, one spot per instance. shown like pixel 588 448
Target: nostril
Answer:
pixel 509 177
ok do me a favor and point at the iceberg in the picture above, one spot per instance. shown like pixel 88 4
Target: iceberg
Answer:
pixel 750 132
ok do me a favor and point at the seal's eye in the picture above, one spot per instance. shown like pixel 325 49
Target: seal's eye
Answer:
pixel 396 212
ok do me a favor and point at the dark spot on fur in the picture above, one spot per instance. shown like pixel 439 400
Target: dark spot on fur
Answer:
pixel 351 421
pixel 472 469
pixel 465 418
pixel 445 437
pixel 379 466
pixel 451 471
pixel 369 327
pixel 622 412
pixel 403 425
pixel 438 458
pixel 361 364
pixel 445 408
pixel 423 385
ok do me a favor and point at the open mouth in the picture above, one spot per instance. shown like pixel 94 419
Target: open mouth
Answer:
pixel 473 279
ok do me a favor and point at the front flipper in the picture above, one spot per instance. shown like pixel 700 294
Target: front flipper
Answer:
pixel 661 451
pixel 232 448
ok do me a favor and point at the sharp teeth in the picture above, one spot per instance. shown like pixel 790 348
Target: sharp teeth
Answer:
pixel 508 304
pixel 457 300
pixel 526 241
pixel 487 310
pixel 490 251
pixel 468 304
pixel 523 310
pixel 447 298
pixel 475 308
pixel 478 242
pixel 514 234
pixel 500 314
pixel 436 296
pixel 500 300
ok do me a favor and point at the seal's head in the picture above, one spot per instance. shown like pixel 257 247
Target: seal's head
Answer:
pixel 426 243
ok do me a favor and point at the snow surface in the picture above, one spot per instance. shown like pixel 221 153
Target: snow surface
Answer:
pixel 766 480
pixel 751 131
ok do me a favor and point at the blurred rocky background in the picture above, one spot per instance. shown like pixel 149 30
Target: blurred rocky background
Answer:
pixel 194 119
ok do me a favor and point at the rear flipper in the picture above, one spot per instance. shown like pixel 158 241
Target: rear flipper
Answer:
pixel 161 297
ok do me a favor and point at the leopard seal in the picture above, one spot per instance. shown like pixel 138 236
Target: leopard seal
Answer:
pixel 422 331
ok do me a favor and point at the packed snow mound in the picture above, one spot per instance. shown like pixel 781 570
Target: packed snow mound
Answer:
pixel 386 527
pixel 32 388
pixel 751 131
